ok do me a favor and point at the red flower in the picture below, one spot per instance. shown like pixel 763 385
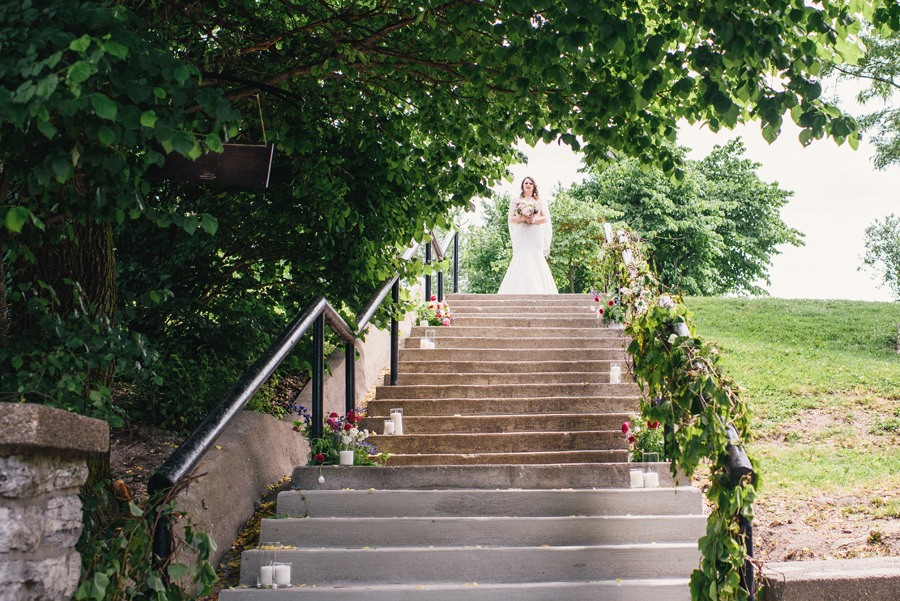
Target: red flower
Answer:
pixel 333 415
pixel 348 427
pixel 319 458
pixel 601 311
pixel 652 425
pixel 296 428
pixel 352 417
pixel 611 303
pixel 625 427
pixel 596 298
pixel 433 297
pixel 631 440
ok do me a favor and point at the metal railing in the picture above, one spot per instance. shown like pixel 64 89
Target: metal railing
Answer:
pixel 315 315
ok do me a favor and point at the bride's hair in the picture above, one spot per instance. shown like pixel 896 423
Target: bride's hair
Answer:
pixel 534 193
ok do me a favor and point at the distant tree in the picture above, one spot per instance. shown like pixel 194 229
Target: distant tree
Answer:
pixel 712 233
pixel 880 68
pixel 486 249
pixel 882 240
pixel 577 243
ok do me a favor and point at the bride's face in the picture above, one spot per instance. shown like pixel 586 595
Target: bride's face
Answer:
pixel 528 187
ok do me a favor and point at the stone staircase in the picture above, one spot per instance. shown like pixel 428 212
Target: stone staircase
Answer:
pixel 510 481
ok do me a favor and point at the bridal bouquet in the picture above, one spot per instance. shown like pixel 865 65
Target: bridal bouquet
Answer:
pixel 527 208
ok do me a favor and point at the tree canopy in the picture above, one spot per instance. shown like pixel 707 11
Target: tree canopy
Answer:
pixel 385 115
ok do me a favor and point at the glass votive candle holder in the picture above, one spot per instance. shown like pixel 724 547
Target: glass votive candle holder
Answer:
pixel 615 373
pixel 388 426
pixel 637 478
pixel 281 575
pixel 397 418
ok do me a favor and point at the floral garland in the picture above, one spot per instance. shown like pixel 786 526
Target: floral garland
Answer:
pixel 697 403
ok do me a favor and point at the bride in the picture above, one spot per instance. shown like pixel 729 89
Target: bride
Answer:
pixel 530 230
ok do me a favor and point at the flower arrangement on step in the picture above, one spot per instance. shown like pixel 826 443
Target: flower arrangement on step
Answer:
pixel 435 312
pixel 643 439
pixel 340 433
pixel 610 310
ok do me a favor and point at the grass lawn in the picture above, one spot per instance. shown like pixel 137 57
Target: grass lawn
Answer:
pixel 823 381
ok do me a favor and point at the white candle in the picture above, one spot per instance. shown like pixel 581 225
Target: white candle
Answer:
pixel 651 480
pixel 265 575
pixel 423 324
pixel 637 478
pixel 283 574
pixel 425 343
pixel 397 418
pixel 615 373
pixel 346 457
pixel 388 426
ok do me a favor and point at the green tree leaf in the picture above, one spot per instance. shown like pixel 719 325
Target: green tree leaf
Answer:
pixel 16 218
pixel 104 107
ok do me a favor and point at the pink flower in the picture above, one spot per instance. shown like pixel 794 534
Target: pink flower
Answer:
pixel 625 427
pixel 652 425
pixel 446 322
pixel 611 303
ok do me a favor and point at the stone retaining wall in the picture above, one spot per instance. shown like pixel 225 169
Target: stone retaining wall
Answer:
pixel 42 465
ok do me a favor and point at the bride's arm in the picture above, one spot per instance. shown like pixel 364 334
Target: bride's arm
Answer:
pixel 544 216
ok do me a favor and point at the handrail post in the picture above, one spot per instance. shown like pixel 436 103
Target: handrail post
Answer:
pixel 318 376
pixel 456 262
pixel 349 377
pixel 440 285
pixel 395 337
pixel 428 277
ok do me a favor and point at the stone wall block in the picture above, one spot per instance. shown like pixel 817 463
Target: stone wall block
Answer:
pixel 50 579
pixel 30 476
pixel 62 521
pixel 19 527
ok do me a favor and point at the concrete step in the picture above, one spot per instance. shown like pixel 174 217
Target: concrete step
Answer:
pixel 531 298
pixel 506 406
pixel 510 355
pixel 391 565
pixel 494 391
pixel 503 442
pixel 471 424
pixel 465 332
pixel 513 379
pixel 519 367
pixel 621 589
pixel 575 308
pixel 319 502
pixel 454 342
pixel 513 458
pixel 513 320
pixel 548 476
pixel 484 531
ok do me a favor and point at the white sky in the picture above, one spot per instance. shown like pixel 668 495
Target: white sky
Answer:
pixel 837 194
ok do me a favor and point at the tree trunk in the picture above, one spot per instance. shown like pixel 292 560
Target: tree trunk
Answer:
pixel 90 262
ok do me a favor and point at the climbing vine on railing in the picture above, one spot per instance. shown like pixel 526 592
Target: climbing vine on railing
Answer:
pixel 678 371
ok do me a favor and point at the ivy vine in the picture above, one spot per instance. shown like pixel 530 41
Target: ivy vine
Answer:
pixel 703 409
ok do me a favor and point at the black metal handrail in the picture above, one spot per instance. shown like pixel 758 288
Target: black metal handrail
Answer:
pixel 314 315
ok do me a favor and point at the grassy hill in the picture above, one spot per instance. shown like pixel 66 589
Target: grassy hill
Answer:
pixel 823 381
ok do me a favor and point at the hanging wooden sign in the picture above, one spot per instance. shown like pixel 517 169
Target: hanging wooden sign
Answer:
pixel 237 165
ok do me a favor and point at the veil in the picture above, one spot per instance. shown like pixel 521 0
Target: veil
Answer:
pixel 547 231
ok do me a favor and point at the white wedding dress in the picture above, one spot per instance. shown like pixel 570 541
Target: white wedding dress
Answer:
pixel 528 272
